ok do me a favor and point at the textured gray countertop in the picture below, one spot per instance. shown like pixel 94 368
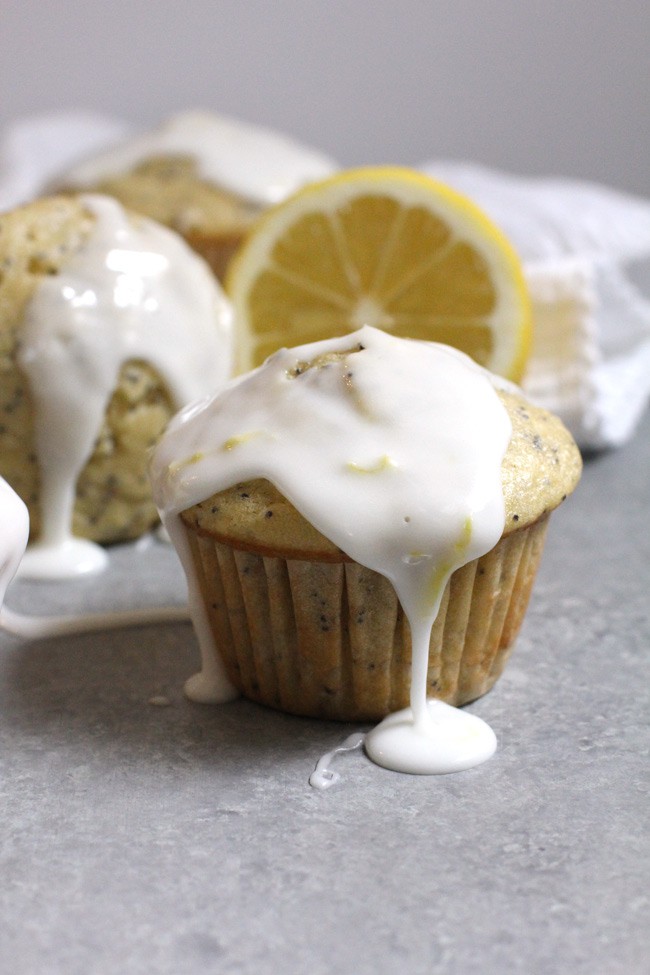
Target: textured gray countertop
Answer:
pixel 185 839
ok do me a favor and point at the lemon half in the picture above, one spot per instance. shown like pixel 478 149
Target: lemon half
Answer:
pixel 382 246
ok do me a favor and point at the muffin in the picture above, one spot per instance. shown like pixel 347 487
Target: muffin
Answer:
pixel 109 324
pixel 445 480
pixel 205 176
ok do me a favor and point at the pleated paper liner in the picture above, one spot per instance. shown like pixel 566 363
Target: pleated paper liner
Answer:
pixel 330 640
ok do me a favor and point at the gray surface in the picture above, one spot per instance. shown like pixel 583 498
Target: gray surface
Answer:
pixel 141 839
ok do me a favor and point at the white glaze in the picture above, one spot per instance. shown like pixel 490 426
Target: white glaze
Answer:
pixel 323 776
pixel 458 739
pixel 394 453
pixel 255 163
pixel 134 290
pixel 14 532
pixel 43 627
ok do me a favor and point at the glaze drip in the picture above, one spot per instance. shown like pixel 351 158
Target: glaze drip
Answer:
pixel 133 291
pixel 392 449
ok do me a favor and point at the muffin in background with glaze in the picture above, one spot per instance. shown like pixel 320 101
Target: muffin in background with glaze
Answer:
pixel 295 621
pixel 205 176
pixel 96 306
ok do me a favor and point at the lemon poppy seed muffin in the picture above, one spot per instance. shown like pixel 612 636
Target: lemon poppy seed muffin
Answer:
pixel 205 176
pixel 83 384
pixel 301 625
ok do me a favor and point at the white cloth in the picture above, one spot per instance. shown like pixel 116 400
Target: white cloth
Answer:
pixel 586 256
pixel 585 251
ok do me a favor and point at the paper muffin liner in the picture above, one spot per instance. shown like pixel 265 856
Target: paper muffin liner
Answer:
pixel 330 640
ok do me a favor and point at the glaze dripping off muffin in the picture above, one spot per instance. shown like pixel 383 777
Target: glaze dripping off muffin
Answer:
pixel 345 495
pixel 108 325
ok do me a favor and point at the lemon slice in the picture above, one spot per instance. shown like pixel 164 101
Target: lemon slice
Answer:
pixel 382 246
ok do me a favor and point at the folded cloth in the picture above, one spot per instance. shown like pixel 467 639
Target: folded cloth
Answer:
pixel 585 251
pixel 586 256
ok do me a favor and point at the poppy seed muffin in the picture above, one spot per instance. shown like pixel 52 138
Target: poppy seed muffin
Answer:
pixel 302 626
pixel 70 277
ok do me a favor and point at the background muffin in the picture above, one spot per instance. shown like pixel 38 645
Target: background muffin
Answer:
pixel 205 176
pixel 39 245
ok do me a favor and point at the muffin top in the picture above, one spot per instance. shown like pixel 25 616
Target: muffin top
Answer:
pixel 36 241
pixel 541 467
pixel 69 266
pixel 86 286
pixel 434 435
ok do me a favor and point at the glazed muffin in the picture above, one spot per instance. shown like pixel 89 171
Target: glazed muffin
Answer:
pixel 299 622
pixel 206 177
pixel 95 304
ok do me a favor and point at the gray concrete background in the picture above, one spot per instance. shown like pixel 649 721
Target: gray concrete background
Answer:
pixel 146 840
pixel 185 840
pixel 555 87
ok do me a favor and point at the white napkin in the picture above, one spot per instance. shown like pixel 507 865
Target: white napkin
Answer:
pixel 586 256
pixel 585 251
